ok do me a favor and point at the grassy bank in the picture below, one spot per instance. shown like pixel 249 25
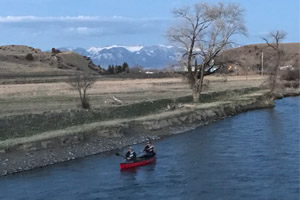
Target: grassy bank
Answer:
pixel 32 124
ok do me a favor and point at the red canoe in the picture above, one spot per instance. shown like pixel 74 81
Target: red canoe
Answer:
pixel 137 163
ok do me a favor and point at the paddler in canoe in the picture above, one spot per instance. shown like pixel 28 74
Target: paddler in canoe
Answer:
pixel 149 150
pixel 133 161
pixel 130 155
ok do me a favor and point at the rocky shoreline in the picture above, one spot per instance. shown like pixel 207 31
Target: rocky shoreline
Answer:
pixel 81 141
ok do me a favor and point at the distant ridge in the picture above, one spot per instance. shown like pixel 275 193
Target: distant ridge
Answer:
pixel 249 57
pixel 13 61
pixel 157 57
pixel 161 56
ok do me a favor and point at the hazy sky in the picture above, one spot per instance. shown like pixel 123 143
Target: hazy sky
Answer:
pixel 84 23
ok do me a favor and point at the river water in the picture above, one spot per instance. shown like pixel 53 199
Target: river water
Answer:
pixel 254 155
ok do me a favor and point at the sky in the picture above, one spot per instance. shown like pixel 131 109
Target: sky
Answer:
pixel 46 24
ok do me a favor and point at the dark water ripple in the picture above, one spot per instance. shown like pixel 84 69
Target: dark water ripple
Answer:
pixel 254 155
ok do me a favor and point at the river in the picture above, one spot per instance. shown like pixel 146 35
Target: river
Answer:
pixel 253 155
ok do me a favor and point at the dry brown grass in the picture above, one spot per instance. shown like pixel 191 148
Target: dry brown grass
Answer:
pixel 43 97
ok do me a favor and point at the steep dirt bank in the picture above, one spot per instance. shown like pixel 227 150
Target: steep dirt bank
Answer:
pixel 88 139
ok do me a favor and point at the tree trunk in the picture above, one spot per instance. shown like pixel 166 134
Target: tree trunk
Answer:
pixel 274 75
pixel 196 96
pixel 196 91
pixel 189 63
pixel 80 95
pixel 201 78
pixel 84 94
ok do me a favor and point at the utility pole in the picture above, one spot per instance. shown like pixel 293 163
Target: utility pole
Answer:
pixel 262 63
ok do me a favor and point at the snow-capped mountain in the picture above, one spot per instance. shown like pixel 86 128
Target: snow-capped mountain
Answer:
pixel 158 56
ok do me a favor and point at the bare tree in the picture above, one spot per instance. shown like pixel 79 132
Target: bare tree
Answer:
pixel 81 83
pixel 205 31
pixel 273 41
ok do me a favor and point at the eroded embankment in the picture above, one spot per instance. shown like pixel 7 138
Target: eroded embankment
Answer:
pixel 51 147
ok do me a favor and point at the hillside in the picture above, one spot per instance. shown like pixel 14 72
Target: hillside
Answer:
pixel 249 57
pixel 14 64
pixel 16 61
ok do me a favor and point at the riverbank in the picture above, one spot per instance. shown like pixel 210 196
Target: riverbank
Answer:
pixel 256 152
pixel 89 139
pixel 41 138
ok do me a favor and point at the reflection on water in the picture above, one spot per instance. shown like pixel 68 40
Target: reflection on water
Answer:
pixel 254 155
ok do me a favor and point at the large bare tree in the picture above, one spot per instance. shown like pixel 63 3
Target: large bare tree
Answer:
pixel 205 30
pixel 81 83
pixel 273 41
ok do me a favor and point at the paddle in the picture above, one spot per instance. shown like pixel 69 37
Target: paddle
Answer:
pixel 117 154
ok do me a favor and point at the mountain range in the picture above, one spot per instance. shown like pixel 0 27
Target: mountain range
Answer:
pixel 154 57
pixel 161 56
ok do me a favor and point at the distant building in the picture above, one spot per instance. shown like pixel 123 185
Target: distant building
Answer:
pixel 149 72
pixel 286 67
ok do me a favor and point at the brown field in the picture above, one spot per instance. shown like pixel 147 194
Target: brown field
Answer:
pixel 18 99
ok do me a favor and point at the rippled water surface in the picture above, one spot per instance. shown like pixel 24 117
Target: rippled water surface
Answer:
pixel 254 155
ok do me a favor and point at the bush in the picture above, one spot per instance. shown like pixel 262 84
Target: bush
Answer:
pixel 55 51
pixel 296 84
pixel 287 84
pixel 29 56
pixel 290 75
pixel 137 70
